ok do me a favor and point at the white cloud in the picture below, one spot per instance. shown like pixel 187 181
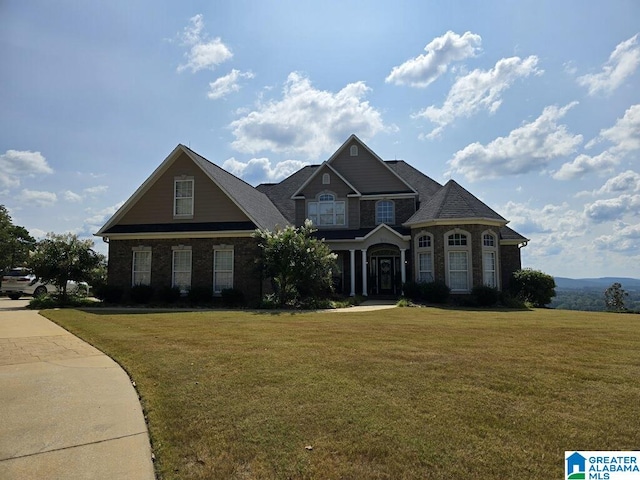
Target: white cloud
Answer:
pixel 203 53
pixel 227 84
pixel 628 181
pixel 613 208
pixel 260 170
pixel 479 89
pixel 441 51
pixel 625 138
pixel 97 190
pixel 38 198
pixel 70 196
pixel 99 217
pixel 15 164
pixel 527 148
pixel 622 63
pixel 624 239
pixel 307 121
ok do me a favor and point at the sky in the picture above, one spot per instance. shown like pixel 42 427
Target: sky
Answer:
pixel 533 106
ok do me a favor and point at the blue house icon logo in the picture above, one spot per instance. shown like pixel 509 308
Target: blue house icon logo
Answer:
pixel 576 467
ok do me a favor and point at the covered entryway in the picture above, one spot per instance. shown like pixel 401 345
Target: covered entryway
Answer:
pixel 384 270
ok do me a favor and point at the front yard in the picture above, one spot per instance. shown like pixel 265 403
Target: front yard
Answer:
pixel 407 393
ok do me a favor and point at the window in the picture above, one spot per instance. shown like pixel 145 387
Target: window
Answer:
pixel 141 266
pixel 458 271
pixel 385 212
pixel 424 259
pixel 353 151
pixel 183 198
pixel 181 271
pixel 326 211
pixel 489 260
pixel 222 269
pixel 458 260
pixel 326 179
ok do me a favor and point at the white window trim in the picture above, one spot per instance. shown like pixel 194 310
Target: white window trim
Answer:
pixel 418 250
pixel 175 198
pixel 335 202
pixel 493 249
pixel 459 248
pixel 181 248
pixel 393 212
pixel 134 251
pixel 223 248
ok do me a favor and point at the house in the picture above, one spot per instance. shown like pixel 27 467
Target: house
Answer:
pixel 190 224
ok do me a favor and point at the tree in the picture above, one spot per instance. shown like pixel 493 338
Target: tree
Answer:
pixel 614 297
pixel 63 257
pixel 15 242
pixel 299 264
pixel 533 286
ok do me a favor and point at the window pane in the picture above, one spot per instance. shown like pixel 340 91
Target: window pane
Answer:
pixel 458 271
pixel 488 240
pixel 457 239
pixel 222 270
pixel 141 268
pixel 489 264
pixel 425 273
pixel 183 197
pixel 182 269
pixel 424 241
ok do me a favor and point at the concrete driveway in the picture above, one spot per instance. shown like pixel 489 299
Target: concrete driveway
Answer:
pixel 67 411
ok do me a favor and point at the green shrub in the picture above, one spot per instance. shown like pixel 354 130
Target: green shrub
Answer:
pixel 141 293
pixel 485 296
pixel 412 290
pixel 109 293
pixel 44 302
pixel 533 287
pixel 169 294
pixel 200 295
pixel 232 297
pixel 435 292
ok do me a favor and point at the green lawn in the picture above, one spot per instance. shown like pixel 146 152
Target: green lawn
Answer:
pixel 407 393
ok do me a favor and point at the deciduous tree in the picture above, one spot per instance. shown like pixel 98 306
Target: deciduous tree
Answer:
pixel 15 242
pixel 614 297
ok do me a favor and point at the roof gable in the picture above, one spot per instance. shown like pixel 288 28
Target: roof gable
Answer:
pixel 234 195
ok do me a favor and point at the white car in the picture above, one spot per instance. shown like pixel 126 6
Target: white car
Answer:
pixel 18 282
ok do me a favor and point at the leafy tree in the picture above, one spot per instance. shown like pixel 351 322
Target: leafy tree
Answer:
pixel 299 264
pixel 63 257
pixel 614 297
pixel 533 287
pixel 15 242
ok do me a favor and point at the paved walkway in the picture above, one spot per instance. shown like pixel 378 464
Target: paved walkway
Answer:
pixel 67 411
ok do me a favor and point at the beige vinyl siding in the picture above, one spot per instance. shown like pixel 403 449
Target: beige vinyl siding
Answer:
pixel 336 186
pixel 210 203
pixel 367 173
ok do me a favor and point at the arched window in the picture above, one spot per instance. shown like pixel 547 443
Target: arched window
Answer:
pixel 326 211
pixel 489 259
pixel 353 151
pixel 385 212
pixel 424 258
pixel 458 260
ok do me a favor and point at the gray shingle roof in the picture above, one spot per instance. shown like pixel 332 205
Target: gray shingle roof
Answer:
pixel 280 193
pixel 507 233
pixel 255 203
pixel 424 185
pixel 453 202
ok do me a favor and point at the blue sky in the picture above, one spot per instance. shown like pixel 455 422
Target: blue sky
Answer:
pixel 533 106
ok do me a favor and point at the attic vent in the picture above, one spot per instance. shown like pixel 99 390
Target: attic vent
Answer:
pixel 326 179
pixel 353 151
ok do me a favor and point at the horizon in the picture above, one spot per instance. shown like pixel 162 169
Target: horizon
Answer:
pixel 532 106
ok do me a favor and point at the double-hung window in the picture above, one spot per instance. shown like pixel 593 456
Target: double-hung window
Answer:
pixel 385 212
pixel 489 260
pixel 181 270
pixel 424 249
pixel 183 197
pixel 458 257
pixel 326 211
pixel 141 266
pixel 222 269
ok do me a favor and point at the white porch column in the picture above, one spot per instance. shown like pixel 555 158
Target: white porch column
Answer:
pixel 364 272
pixel 352 254
pixel 403 266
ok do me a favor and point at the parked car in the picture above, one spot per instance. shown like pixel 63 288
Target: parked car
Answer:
pixel 18 282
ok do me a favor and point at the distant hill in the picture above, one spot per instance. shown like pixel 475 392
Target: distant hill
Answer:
pixel 563 283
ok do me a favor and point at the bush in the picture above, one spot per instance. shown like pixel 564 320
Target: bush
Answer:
pixel 141 293
pixel 485 296
pixel 109 293
pixel 435 292
pixel 232 297
pixel 200 295
pixel 169 294
pixel 412 290
pixel 533 287
pixel 44 302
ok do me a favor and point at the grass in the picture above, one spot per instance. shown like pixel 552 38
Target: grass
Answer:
pixel 407 393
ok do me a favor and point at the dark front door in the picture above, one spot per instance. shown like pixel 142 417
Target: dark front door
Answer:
pixel 386 276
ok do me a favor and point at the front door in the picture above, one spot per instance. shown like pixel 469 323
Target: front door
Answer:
pixel 386 275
